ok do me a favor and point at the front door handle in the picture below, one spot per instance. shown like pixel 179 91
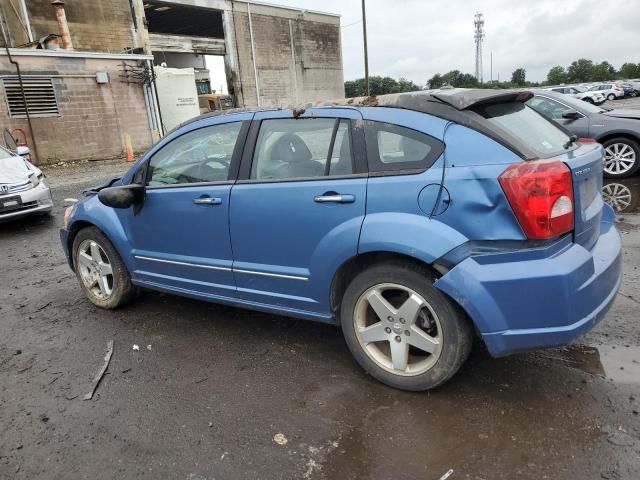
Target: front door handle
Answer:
pixel 335 198
pixel 207 201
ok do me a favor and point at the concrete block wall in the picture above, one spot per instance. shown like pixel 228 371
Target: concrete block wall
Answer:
pixel 298 57
pixel 100 26
pixel 94 117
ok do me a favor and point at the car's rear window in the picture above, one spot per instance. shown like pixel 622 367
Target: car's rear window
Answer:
pixel 527 125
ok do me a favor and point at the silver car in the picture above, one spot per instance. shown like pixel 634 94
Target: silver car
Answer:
pixel 23 187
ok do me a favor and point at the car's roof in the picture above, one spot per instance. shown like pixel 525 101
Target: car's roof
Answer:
pixel 455 105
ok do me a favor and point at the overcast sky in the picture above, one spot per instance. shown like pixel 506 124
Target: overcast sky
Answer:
pixel 418 38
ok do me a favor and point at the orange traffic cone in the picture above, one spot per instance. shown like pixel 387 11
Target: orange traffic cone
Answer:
pixel 129 153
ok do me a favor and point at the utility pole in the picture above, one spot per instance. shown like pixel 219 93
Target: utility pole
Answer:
pixel 491 68
pixel 366 52
pixel 478 24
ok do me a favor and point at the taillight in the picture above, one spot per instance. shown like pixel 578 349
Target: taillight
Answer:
pixel 587 140
pixel 541 196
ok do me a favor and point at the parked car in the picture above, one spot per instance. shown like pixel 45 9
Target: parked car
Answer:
pixel 611 91
pixel 580 93
pixel 628 89
pixel 412 220
pixel 23 187
pixel 617 130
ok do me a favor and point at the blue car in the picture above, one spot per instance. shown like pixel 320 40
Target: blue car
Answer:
pixel 414 221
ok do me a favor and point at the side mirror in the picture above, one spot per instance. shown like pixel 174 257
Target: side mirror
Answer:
pixel 571 114
pixel 122 197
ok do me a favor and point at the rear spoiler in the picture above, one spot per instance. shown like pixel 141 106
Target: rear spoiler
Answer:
pixel 461 99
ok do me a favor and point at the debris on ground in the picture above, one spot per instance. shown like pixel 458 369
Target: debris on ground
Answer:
pixel 148 347
pixel 98 377
pixel 280 439
pixel 447 474
pixel 136 347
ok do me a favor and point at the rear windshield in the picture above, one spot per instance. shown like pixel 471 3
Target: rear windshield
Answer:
pixel 527 125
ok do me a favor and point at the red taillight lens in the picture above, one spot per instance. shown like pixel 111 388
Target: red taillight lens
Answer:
pixel 541 196
pixel 587 140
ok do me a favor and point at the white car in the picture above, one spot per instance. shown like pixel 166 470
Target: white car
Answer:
pixel 23 187
pixel 580 93
pixel 610 90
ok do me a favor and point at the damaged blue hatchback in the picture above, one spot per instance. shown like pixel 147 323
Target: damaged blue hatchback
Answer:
pixel 414 221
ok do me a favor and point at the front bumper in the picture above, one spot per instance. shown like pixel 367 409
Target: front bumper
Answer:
pixel 536 299
pixel 35 200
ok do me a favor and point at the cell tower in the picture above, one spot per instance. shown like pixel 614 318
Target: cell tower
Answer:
pixel 479 36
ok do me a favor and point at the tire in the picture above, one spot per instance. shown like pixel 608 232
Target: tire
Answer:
pixel 622 157
pixel 103 289
pixel 436 318
pixel 611 97
pixel 588 100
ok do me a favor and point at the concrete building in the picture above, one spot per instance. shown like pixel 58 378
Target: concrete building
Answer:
pixel 99 90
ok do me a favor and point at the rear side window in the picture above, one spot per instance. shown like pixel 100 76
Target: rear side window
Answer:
pixel 391 148
pixel 527 125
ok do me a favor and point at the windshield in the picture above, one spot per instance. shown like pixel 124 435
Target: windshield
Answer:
pixel 4 153
pixel 524 123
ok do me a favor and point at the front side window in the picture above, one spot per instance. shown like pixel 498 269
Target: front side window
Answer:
pixel 199 156
pixel 393 148
pixel 302 148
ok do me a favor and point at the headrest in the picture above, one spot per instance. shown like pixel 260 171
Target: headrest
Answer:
pixel 290 148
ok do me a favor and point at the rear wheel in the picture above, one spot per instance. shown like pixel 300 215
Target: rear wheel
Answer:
pixel 621 157
pixel 402 330
pixel 100 270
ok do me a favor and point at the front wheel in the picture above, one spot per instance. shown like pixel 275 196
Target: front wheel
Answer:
pixel 621 157
pixel 402 330
pixel 588 100
pixel 611 97
pixel 100 270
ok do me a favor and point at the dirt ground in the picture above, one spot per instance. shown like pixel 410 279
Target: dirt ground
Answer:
pixel 210 387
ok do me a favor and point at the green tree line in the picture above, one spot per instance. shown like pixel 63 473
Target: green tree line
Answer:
pixel 579 71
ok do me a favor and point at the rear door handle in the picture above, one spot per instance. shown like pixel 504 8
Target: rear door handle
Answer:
pixel 207 201
pixel 335 198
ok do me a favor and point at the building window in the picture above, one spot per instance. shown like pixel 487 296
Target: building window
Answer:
pixel 40 96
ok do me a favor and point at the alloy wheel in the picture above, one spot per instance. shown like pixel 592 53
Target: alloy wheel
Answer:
pixel 95 269
pixel 398 329
pixel 617 195
pixel 619 158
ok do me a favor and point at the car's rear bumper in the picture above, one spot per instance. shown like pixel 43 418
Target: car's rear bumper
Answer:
pixel 538 298
pixel 35 200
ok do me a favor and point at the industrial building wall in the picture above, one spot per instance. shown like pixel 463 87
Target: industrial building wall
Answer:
pixel 94 118
pixel 100 26
pixel 298 56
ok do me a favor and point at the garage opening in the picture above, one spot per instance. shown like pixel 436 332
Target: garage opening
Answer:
pixel 174 19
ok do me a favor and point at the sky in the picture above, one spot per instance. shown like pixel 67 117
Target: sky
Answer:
pixel 416 39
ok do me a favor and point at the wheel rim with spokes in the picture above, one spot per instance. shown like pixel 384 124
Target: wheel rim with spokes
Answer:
pixel 95 269
pixel 619 158
pixel 398 329
pixel 617 195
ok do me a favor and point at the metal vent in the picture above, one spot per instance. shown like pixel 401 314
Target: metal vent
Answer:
pixel 39 93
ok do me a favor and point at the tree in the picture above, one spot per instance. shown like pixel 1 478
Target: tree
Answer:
pixel 378 86
pixel 603 71
pixel 519 77
pixel 435 82
pixel 629 70
pixel 580 71
pixel 556 76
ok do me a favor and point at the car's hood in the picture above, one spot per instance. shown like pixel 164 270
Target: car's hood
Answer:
pixel 13 170
pixel 620 113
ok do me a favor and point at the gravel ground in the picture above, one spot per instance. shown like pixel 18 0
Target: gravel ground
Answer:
pixel 211 386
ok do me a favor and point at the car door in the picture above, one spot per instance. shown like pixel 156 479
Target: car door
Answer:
pixel 553 109
pixel 180 235
pixel 297 208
